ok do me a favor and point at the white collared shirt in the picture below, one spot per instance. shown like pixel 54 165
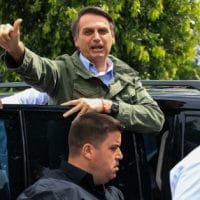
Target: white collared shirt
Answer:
pixel 185 177
pixel 107 77
pixel 28 96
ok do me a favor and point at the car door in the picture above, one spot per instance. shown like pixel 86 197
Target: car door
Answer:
pixel 36 140
pixel 180 136
pixel 12 172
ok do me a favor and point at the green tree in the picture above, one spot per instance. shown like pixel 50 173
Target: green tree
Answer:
pixel 156 37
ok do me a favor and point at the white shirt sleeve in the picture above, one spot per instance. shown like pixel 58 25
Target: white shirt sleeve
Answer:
pixel 185 177
pixel 28 96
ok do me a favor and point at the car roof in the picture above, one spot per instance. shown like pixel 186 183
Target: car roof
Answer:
pixel 173 83
pixel 175 94
pixel 172 88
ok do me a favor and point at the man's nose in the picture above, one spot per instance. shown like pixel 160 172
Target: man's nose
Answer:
pixel 119 154
pixel 96 35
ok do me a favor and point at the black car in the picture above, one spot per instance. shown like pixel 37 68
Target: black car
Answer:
pixel 34 139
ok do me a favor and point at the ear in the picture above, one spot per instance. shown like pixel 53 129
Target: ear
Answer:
pixel 76 42
pixel 88 151
pixel 113 40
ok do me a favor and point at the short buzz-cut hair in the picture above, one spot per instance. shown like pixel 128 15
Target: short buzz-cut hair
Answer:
pixel 91 128
pixel 91 10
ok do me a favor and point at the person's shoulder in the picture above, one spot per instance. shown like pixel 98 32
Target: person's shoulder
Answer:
pixel 67 56
pixel 67 61
pixel 122 67
pixel 191 159
pixel 39 187
pixel 190 164
pixel 56 183
pixel 113 192
pixel 185 175
pixel 48 188
pixel 63 57
pixel 193 155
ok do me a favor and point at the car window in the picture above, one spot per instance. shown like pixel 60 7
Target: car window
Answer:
pixel 36 139
pixel 11 156
pixel 46 135
pixel 192 132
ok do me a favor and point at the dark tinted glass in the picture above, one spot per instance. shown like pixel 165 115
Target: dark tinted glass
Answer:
pixel 192 132
pixel 11 156
pixel 46 134
pixel 37 138
pixel 184 136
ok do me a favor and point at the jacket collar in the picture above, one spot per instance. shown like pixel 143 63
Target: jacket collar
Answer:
pixel 120 71
pixel 82 178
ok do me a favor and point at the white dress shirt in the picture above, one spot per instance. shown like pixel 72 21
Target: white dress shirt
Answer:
pixel 28 96
pixel 185 177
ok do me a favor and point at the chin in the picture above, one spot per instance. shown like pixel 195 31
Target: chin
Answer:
pixel 113 176
pixel 96 57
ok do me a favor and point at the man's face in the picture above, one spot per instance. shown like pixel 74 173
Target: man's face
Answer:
pixel 95 38
pixel 106 157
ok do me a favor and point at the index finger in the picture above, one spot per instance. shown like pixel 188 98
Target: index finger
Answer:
pixel 71 103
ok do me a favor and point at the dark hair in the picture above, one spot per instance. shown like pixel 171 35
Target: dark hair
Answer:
pixel 91 128
pixel 94 11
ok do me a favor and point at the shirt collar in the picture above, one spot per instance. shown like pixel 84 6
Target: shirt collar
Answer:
pixel 107 77
pixel 89 66
pixel 74 173
pixel 82 178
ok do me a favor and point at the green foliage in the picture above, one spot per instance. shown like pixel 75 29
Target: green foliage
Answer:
pixel 156 37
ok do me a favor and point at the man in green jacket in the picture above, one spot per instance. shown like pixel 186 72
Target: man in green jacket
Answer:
pixel 89 80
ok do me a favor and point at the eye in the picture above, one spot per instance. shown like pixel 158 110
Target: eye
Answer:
pixel 88 31
pixel 103 31
pixel 114 148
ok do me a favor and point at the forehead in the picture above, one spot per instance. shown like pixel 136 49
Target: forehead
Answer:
pixel 93 21
pixel 113 138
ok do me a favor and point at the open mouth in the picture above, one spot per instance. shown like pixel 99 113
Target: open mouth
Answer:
pixel 97 47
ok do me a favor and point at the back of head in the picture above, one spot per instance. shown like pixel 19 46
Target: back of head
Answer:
pixel 91 128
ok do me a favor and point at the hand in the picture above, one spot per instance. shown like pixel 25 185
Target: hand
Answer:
pixel 10 40
pixel 83 105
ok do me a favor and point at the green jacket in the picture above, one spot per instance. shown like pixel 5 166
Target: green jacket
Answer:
pixel 65 79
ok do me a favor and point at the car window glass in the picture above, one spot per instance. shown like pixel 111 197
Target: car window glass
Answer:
pixel 192 132
pixel 36 141
pixel 46 134
pixel 11 156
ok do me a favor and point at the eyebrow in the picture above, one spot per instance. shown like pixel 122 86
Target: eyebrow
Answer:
pixel 92 28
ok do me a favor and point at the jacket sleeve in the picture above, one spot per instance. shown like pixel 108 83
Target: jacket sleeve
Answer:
pixel 50 189
pixel 37 71
pixel 144 115
pixel 44 195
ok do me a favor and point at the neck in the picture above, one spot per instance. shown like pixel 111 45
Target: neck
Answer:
pixel 78 162
pixel 101 66
pixel 83 164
